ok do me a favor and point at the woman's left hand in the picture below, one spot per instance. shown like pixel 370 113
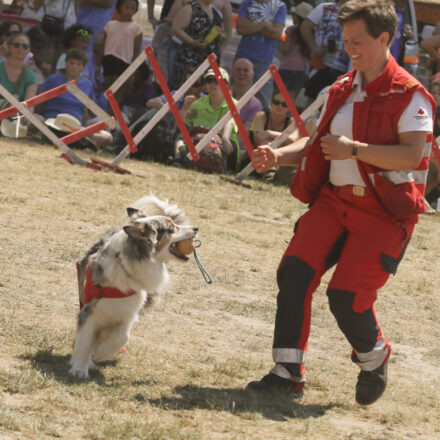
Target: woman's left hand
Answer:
pixel 336 147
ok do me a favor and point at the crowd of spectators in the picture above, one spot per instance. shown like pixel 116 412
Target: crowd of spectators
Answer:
pixel 94 41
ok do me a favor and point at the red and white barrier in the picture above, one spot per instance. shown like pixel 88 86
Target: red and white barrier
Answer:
pixel 22 108
pixel 163 111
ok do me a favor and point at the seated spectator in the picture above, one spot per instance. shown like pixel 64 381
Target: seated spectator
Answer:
pixel 270 123
pixel 201 115
pixel 242 74
pixel 17 79
pixel 7 29
pixel 191 25
pixel 67 103
pixel 295 53
pixel 76 36
pixel 14 75
pixel 41 56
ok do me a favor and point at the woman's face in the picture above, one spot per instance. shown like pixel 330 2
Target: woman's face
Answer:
pixel 366 52
pixel 19 46
pixel 278 106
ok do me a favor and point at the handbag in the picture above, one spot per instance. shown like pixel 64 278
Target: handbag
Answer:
pixel 54 26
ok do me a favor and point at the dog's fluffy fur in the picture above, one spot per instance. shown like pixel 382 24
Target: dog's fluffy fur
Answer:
pixel 131 258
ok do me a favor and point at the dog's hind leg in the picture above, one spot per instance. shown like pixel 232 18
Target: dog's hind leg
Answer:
pixel 115 339
pixel 81 359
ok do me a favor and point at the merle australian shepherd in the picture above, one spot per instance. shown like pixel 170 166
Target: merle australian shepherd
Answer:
pixel 122 272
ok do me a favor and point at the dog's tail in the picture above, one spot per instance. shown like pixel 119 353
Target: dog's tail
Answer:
pixel 151 205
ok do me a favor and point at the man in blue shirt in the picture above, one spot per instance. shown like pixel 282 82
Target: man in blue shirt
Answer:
pixel 261 23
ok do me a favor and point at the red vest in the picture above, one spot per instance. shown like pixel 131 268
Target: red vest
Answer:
pixel 375 121
pixel 91 290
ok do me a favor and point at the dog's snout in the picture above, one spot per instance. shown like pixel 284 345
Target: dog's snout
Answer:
pixel 196 229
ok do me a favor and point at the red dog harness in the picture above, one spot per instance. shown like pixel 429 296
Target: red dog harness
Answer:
pixel 92 290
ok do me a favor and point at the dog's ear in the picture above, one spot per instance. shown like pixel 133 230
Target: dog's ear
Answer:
pixel 133 212
pixel 139 230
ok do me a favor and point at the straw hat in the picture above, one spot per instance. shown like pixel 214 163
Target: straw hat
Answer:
pixel 303 9
pixel 64 122
pixel 223 73
pixel 13 128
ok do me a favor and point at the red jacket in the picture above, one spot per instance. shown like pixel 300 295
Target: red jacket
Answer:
pixel 375 120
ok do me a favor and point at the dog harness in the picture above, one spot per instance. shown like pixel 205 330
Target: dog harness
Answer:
pixel 92 290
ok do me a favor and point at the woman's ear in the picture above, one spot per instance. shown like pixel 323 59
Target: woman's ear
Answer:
pixel 384 39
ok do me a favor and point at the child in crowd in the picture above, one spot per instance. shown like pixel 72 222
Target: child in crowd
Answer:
pixel 295 53
pixel 75 37
pixel 76 60
pixel 122 44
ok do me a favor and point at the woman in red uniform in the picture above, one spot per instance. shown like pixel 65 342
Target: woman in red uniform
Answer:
pixel 364 174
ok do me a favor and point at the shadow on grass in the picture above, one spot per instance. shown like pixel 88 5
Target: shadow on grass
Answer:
pixel 57 366
pixel 237 401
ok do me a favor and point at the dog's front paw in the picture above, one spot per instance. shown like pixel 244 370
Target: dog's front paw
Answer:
pixel 81 372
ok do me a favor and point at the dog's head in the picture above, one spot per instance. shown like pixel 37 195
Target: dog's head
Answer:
pixel 157 236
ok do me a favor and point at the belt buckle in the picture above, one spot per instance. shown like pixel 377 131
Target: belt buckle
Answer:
pixel 358 191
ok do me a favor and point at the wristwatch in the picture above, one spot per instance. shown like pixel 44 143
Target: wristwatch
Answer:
pixel 354 151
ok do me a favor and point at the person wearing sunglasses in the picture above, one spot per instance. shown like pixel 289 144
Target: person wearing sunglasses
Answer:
pixel 270 123
pixel 7 29
pixel 14 75
pixel 202 115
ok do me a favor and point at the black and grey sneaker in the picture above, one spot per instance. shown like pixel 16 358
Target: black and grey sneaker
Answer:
pixel 273 383
pixel 371 385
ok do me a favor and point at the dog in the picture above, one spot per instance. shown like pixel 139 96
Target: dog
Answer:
pixel 121 273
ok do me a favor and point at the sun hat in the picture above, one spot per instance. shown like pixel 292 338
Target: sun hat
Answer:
pixel 223 73
pixel 13 128
pixel 303 9
pixel 64 122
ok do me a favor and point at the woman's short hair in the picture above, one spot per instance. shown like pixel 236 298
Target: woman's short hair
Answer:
pixel 378 15
pixel 6 25
pixel 77 54
pixel 119 4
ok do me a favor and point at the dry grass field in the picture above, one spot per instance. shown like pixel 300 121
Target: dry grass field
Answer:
pixel 190 358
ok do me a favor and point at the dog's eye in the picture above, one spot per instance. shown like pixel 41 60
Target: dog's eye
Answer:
pixel 160 233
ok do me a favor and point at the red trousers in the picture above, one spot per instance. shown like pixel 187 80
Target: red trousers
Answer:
pixel 366 244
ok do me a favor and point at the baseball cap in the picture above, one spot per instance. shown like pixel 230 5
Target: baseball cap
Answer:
pixel 223 73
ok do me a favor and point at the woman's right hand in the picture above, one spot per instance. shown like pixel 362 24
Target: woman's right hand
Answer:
pixel 201 44
pixel 264 158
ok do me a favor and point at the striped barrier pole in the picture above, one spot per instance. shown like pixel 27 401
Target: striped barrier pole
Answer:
pixel 173 107
pixel 240 104
pixel 163 111
pixel 232 108
pixel 68 154
pixel 35 100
